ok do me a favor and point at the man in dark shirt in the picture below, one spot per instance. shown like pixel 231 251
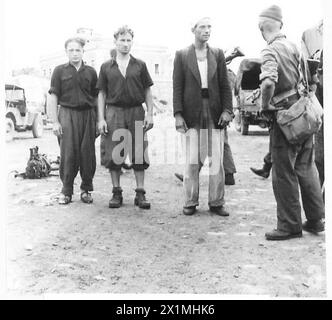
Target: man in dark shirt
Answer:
pixel 73 88
pixel 124 85
pixel 292 165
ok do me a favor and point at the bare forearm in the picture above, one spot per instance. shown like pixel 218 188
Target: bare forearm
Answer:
pixel 52 107
pixel 101 105
pixel 149 100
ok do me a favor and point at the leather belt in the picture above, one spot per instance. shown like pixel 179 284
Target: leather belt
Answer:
pixel 284 95
pixel 205 93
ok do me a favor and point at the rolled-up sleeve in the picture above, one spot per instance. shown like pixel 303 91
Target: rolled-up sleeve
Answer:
pixel 56 82
pixel 269 68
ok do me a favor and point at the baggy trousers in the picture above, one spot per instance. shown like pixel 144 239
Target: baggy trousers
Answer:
pixel 77 148
pixel 200 142
pixel 293 167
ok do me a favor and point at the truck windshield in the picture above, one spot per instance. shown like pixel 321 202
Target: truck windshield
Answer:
pixel 14 95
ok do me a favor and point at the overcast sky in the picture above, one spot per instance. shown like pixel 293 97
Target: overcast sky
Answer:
pixel 37 27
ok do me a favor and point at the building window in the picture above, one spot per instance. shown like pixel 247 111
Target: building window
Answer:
pixel 156 69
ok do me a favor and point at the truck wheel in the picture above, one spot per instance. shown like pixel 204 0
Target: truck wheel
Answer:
pixel 237 120
pixel 244 126
pixel 38 126
pixel 10 129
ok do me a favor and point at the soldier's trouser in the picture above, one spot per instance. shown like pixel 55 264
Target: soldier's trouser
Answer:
pixel 200 142
pixel 77 148
pixel 268 156
pixel 229 165
pixel 319 140
pixel 319 153
pixel 293 167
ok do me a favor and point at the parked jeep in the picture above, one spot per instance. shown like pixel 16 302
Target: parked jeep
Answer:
pixel 248 96
pixel 22 115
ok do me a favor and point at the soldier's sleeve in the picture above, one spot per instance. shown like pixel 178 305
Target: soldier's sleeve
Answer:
pixel 56 82
pixel 269 67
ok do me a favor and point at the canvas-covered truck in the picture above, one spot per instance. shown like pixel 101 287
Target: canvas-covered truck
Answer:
pixel 248 96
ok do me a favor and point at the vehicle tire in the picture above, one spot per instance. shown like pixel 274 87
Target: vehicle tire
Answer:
pixel 38 126
pixel 10 129
pixel 237 120
pixel 244 126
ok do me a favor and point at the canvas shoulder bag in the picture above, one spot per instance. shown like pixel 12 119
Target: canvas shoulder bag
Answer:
pixel 303 118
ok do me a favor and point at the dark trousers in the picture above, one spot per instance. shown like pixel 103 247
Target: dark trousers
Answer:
pixel 268 156
pixel 229 165
pixel 319 140
pixel 319 154
pixel 293 167
pixel 77 148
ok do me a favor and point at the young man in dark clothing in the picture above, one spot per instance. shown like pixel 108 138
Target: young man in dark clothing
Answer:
pixel 124 85
pixel 73 88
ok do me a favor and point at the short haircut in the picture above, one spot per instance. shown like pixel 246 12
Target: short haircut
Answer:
pixel 196 22
pixel 122 31
pixel 78 40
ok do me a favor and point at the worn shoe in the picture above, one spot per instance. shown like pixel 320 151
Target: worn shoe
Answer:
pixel 264 172
pixel 86 197
pixel 229 179
pixel 277 235
pixel 189 211
pixel 179 176
pixel 116 201
pixel 313 226
pixel 140 199
pixel 63 199
pixel 220 211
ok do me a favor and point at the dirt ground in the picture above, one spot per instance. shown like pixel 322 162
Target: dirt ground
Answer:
pixel 83 248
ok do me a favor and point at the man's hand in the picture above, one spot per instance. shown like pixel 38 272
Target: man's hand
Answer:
pixel 57 129
pixel 224 120
pixel 180 124
pixel 148 122
pixel 102 127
